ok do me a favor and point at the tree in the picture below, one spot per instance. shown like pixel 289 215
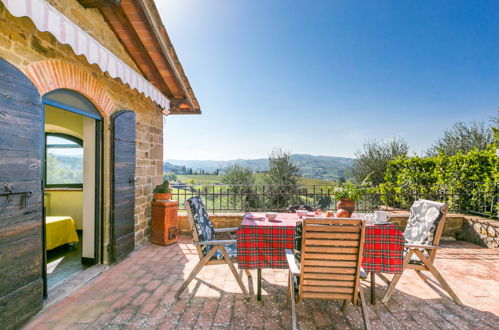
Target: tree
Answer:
pixel 373 159
pixel 282 178
pixel 242 186
pixel 170 176
pixel 463 137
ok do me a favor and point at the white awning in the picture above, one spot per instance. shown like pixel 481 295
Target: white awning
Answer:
pixel 48 19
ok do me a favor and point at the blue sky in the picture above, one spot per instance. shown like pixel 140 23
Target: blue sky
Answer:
pixel 322 77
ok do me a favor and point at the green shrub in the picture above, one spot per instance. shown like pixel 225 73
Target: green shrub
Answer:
pixel 162 188
pixel 467 182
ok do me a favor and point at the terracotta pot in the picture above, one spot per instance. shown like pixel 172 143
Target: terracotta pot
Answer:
pixel 162 196
pixel 342 213
pixel 346 204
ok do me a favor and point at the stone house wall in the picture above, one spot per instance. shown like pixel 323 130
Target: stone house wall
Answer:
pixel 23 45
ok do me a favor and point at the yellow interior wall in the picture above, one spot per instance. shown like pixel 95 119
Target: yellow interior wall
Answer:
pixel 62 121
pixel 65 203
pixel 59 202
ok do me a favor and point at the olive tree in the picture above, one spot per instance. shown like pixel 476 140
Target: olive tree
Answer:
pixel 282 179
pixel 371 162
pixel 463 137
pixel 241 181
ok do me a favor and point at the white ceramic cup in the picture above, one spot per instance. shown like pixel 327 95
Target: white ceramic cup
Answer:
pixel 380 217
pixel 369 218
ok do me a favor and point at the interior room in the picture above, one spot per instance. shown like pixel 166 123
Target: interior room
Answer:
pixel 69 193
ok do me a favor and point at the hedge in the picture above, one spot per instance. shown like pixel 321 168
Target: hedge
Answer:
pixel 467 182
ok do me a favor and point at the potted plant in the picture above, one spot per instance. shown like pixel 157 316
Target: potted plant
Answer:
pixel 347 195
pixel 162 191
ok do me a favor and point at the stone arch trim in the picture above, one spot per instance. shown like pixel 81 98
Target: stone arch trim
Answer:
pixel 54 74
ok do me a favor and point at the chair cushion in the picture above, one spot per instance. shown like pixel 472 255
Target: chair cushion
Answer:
pixel 297 253
pixel 202 222
pixel 294 208
pixel 297 242
pixel 423 222
pixel 296 285
pixel 231 251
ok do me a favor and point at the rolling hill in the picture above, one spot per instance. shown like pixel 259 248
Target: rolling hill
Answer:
pixel 317 167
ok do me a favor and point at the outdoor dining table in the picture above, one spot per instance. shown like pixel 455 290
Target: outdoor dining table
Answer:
pixel 261 244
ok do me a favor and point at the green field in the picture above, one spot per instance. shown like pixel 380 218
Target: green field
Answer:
pixel 211 179
pixel 199 179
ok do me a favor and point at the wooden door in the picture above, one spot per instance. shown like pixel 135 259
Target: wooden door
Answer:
pixel 21 220
pixel 123 184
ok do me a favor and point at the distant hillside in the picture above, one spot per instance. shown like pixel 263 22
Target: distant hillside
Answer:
pixel 317 167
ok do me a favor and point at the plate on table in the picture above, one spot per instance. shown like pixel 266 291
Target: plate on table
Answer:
pixel 255 218
pixel 383 223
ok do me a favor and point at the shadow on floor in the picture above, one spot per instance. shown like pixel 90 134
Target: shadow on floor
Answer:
pixel 63 262
pixel 138 293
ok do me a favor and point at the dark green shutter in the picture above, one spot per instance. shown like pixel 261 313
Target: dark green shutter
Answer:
pixel 123 184
pixel 21 223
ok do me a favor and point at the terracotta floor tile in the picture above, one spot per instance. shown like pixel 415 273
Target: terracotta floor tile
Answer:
pixel 138 294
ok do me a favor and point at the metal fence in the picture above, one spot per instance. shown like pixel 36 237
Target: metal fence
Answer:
pixel 220 198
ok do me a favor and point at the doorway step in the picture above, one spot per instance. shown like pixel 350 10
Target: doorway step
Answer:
pixel 73 283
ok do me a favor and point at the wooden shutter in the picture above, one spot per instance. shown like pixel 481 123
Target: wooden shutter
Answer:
pixel 21 150
pixel 123 184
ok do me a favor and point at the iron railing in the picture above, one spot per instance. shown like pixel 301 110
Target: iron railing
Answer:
pixel 221 198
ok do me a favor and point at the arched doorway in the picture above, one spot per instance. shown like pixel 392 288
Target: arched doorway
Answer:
pixel 71 185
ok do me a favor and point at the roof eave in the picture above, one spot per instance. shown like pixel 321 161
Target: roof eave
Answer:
pixel 159 29
pixel 138 26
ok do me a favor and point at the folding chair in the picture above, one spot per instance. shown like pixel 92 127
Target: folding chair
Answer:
pixel 422 235
pixel 329 263
pixel 210 250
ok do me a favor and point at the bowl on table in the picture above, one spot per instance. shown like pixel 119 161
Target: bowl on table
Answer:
pixel 271 215
pixel 301 213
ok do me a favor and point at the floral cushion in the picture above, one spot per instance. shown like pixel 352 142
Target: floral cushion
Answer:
pixel 297 241
pixel 231 251
pixel 202 222
pixel 422 224
pixel 297 253
pixel 292 209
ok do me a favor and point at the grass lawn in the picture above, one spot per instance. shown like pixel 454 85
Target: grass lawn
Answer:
pixel 210 179
pixel 199 179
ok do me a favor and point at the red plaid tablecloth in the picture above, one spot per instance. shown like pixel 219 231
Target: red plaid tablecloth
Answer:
pixel 261 244
pixel 383 249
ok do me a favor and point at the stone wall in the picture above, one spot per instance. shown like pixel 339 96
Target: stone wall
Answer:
pixel 453 223
pixel 220 220
pixel 149 173
pixel 22 45
pixel 453 227
pixel 481 231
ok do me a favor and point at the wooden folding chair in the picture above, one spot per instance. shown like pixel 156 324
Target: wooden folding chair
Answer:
pixel 210 250
pixel 422 234
pixel 330 259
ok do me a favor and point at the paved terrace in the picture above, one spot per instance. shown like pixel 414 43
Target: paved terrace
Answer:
pixel 138 294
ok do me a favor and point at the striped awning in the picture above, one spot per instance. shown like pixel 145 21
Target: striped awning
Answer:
pixel 48 19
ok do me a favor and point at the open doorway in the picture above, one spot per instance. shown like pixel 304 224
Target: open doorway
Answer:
pixel 71 185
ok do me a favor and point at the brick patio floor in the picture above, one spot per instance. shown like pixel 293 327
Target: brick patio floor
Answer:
pixel 138 294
